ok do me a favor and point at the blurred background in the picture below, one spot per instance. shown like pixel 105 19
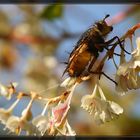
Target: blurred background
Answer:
pixel 35 40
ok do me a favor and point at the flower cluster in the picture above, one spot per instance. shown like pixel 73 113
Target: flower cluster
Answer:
pixel 127 75
pixel 97 105
pixel 53 123
pixel 56 122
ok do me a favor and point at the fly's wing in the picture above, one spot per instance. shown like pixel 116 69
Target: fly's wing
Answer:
pixel 83 39
pixel 74 54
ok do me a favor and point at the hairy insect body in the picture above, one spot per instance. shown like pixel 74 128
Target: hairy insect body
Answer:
pixel 88 48
pixel 79 63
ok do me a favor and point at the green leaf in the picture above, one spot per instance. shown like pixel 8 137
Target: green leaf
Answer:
pixel 52 12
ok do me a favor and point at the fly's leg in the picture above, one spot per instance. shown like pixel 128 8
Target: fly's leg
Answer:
pixel 92 63
pixel 113 52
pixel 102 73
pixel 116 43
pixel 99 72
pixel 111 40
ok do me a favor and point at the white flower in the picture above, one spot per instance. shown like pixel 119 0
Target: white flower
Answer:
pixel 70 131
pixel 50 124
pixel 127 75
pixel 41 121
pixel 60 111
pixel 66 130
pixel 4 91
pixel 69 82
pixel 13 124
pixel 6 113
pixel 16 125
pixel 8 91
pixel 58 117
pixel 101 109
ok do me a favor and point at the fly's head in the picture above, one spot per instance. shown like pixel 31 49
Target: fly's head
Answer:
pixel 103 27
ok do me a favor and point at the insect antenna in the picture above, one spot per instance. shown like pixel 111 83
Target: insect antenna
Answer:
pixel 106 17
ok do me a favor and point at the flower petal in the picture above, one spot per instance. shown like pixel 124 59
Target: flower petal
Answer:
pixel 41 123
pixel 115 108
pixel 4 115
pixel 69 82
pixel 13 124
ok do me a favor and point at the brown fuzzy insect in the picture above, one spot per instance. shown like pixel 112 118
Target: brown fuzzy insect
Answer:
pixel 87 49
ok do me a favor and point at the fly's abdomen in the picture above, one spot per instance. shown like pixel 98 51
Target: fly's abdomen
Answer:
pixel 79 63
